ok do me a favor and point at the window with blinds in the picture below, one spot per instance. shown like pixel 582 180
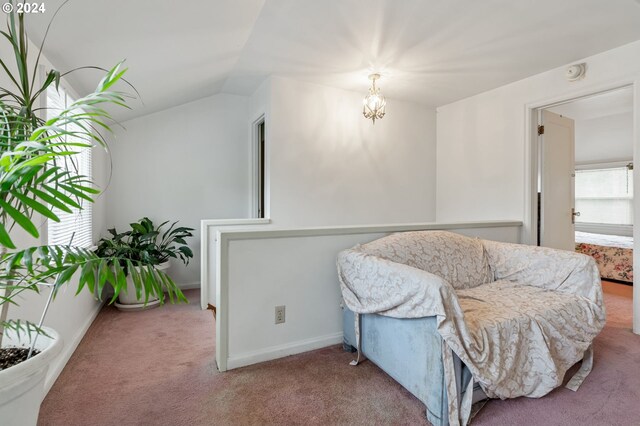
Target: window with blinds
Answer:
pixel 605 196
pixel 74 228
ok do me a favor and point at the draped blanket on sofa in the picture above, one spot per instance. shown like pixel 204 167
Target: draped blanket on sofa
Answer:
pixel 518 316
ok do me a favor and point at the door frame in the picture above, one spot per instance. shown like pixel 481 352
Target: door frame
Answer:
pixel 532 145
pixel 259 170
pixel 578 91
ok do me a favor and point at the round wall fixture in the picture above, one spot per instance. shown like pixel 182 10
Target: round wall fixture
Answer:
pixel 576 72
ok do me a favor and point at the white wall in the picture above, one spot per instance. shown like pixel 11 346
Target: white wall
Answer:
pixel 328 165
pixel 208 250
pixel 259 107
pixel 186 163
pixel 295 268
pixel 260 101
pixel 604 139
pixel 483 155
pixel 481 140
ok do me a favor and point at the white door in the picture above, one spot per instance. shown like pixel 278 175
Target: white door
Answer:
pixel 557 182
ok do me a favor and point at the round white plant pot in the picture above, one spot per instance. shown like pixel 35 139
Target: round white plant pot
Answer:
pixel 22 386
pixel 127 301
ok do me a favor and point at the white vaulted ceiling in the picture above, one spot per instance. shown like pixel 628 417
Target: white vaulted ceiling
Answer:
pixel 429 51
pixel 176 51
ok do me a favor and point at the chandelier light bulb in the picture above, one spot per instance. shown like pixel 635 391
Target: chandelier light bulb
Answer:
pixel 374 103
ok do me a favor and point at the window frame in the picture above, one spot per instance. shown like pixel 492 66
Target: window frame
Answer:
pixel 70 92
pixel 605 228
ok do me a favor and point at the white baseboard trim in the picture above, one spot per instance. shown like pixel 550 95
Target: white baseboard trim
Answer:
pixel 189 286
pixel 275 352
pixel 69 348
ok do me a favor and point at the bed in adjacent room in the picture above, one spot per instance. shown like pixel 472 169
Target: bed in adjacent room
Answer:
pixel 613 254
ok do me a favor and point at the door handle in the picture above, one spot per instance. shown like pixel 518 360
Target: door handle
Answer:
pixel 574 213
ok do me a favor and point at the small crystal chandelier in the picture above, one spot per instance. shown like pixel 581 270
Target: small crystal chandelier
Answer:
pixel 374 102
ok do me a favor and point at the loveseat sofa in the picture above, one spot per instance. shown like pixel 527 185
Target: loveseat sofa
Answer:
pixel 456 319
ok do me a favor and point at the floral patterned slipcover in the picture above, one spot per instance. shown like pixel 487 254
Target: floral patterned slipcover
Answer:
pixel 518 316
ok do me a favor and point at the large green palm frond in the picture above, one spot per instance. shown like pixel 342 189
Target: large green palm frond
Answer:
pixel 54 266
pixel 37 178
pixel 33 174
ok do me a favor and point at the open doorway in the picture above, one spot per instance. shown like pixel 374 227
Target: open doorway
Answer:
pixel 585 182
pixel 258 178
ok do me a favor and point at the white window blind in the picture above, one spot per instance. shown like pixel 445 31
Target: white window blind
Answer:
pixel 79 223
pixel 605 196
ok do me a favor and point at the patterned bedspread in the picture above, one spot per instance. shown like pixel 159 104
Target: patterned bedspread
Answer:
pixel 613 254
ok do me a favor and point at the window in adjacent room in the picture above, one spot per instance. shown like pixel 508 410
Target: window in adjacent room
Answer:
pixel 605 195
pixel 78 224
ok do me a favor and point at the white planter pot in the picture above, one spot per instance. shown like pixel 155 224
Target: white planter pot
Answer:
pixel 22 386
pixel 127 301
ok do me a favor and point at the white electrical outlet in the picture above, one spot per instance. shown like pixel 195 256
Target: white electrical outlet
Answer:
pixel 280 314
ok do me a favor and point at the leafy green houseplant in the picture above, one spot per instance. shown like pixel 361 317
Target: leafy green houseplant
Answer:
pixel 37 178
pixel 146 244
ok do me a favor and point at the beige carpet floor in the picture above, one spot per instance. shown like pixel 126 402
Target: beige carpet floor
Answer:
pixel 157 368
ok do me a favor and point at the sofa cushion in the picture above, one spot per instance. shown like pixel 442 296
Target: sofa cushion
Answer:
pixel 459 260
pixel 509 320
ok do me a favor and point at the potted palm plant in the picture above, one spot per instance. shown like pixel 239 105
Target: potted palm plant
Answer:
pixel 149 245
pixel 35 180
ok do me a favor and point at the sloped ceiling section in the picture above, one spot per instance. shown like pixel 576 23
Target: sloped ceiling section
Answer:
pixel 432 52
pixel 176 51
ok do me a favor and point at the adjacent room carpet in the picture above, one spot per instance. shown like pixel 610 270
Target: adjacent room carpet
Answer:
pixel 157 368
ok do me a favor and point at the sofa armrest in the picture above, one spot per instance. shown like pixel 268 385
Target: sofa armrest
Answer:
pixel 371 284
pixel 553 269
